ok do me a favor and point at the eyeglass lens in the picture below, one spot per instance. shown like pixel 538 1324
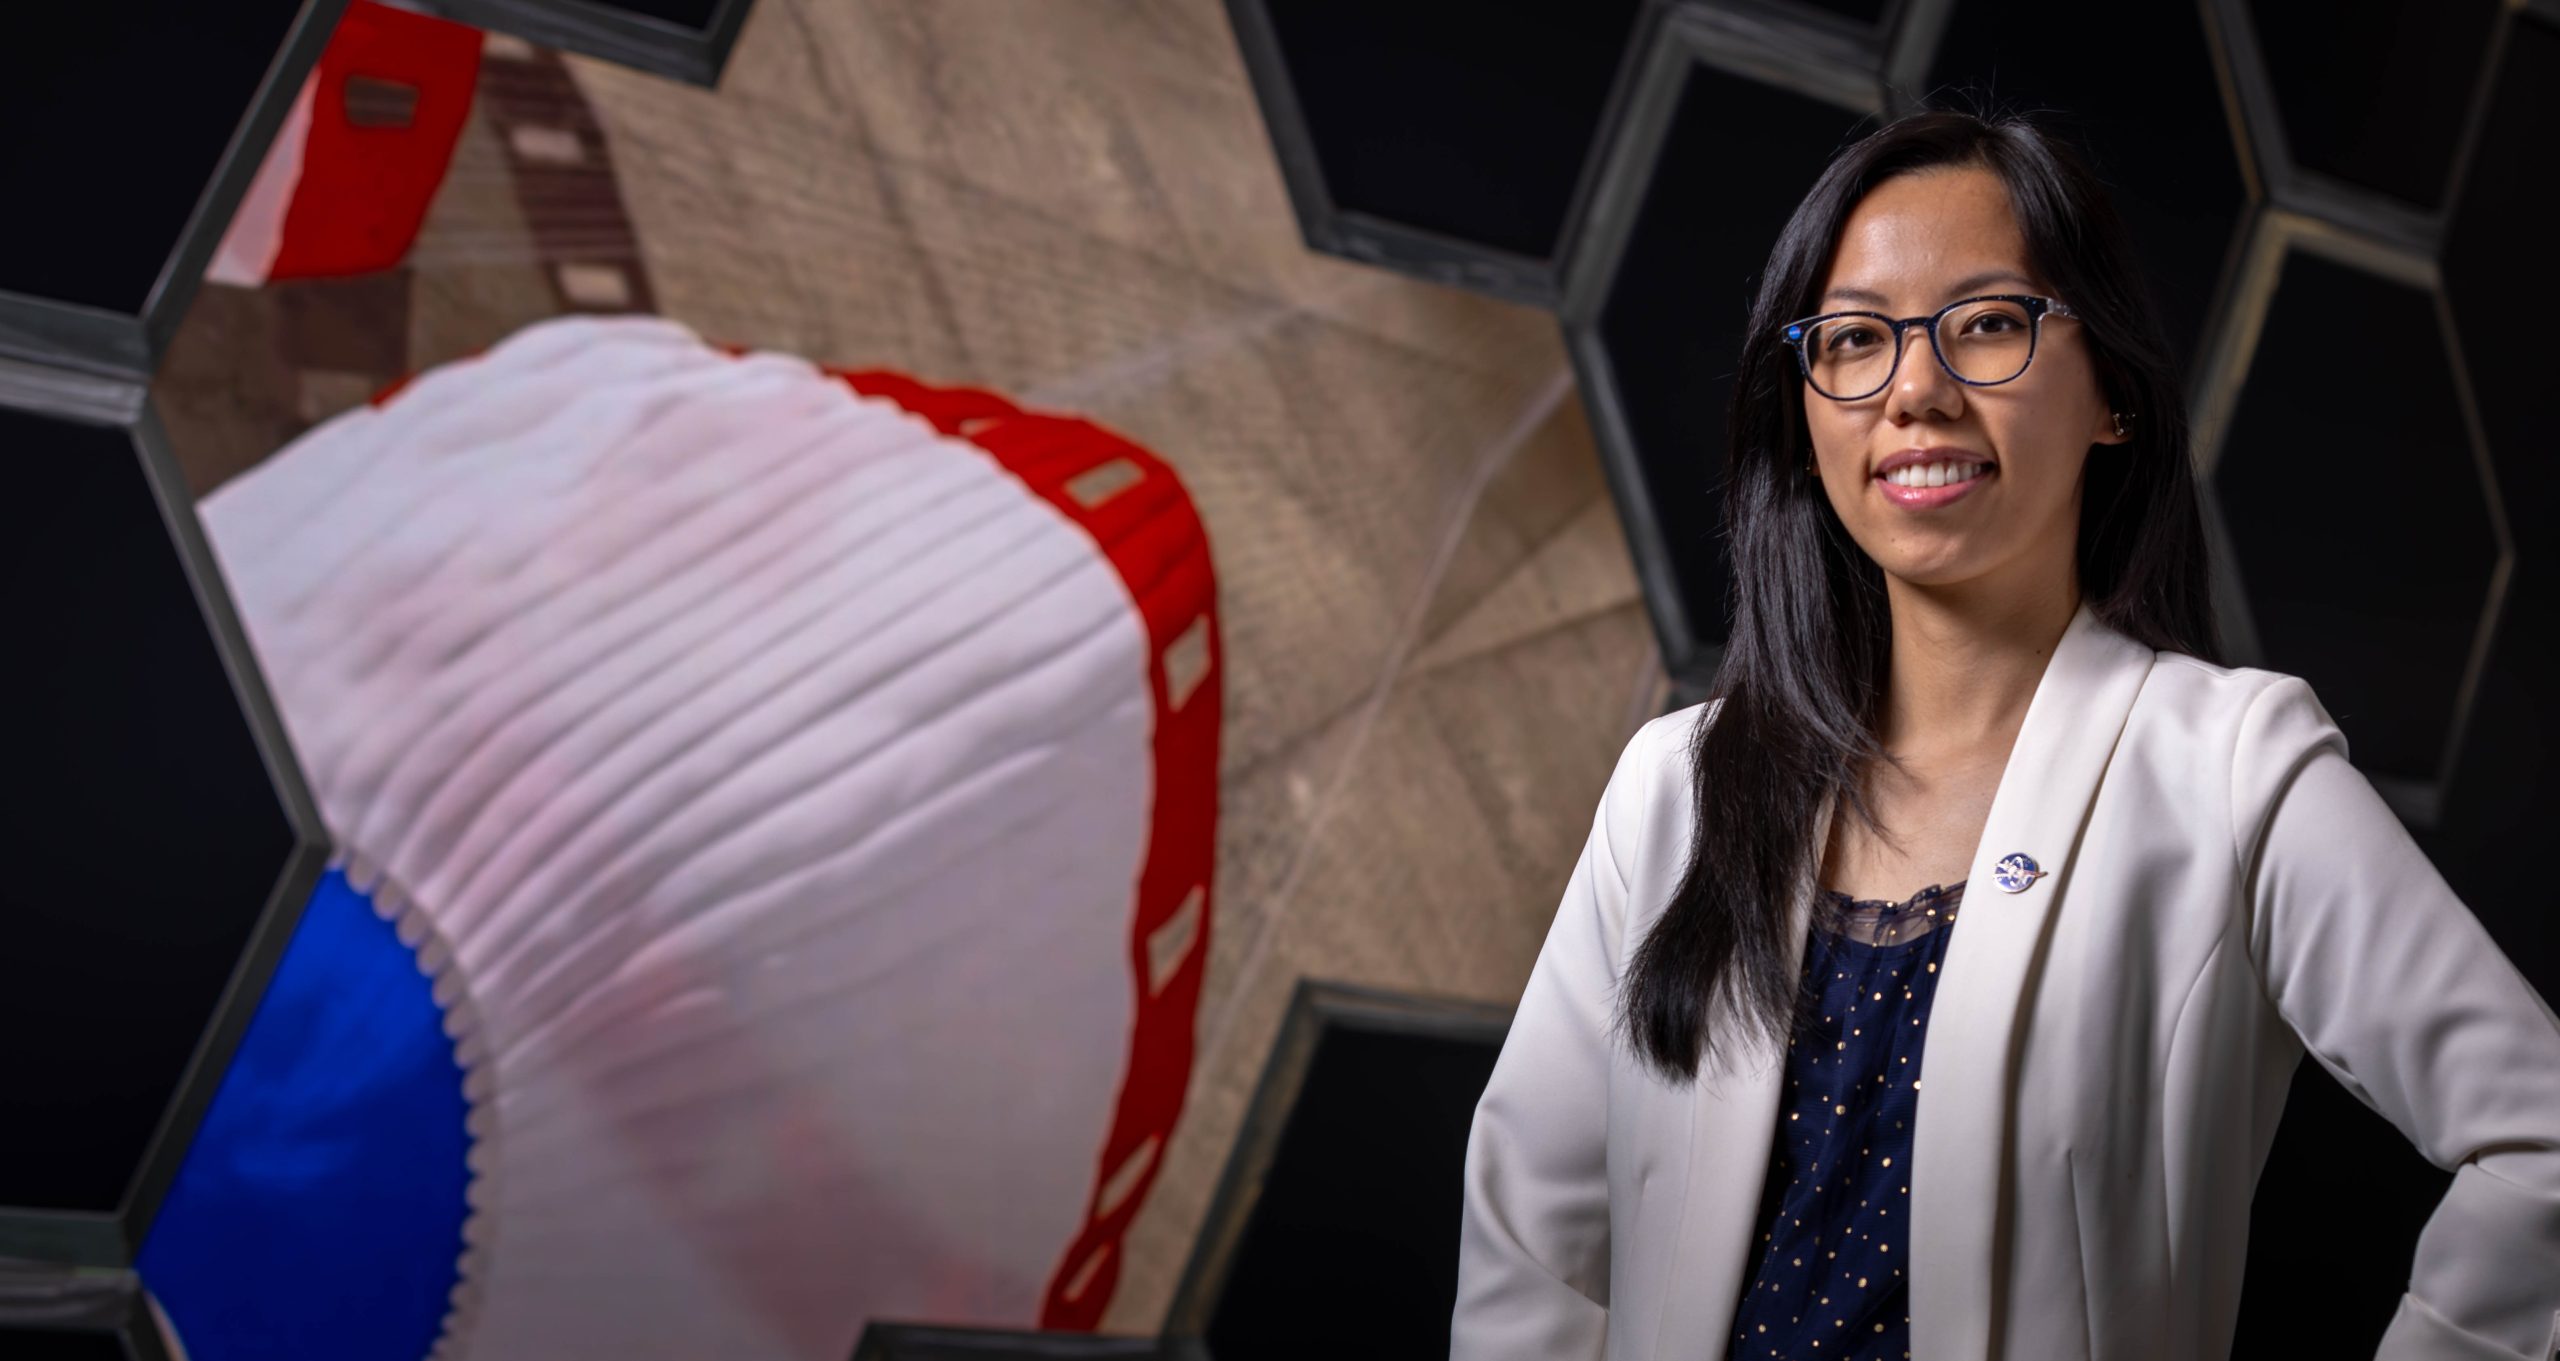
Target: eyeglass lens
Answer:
pixel 1983 342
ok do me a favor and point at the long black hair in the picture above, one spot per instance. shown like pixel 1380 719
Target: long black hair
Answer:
pixel 1801 687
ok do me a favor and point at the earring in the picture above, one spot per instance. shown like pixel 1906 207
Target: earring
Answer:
pixel 2121 418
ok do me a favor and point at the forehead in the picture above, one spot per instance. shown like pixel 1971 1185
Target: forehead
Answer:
pixel 1916 236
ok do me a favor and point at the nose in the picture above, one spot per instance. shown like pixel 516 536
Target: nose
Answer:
pixel 1921 385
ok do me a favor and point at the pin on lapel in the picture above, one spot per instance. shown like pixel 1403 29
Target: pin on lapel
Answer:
pixel 2017 872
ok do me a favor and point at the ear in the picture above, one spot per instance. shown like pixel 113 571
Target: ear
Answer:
pixel 2106 428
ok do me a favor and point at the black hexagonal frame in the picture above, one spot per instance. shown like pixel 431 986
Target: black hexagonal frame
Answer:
pixel 76 1316
pixel 1311 1165
pixel 162 840
pixel 2343 426
pixel 2338 105
pixel 2499 235
pixel 1655 304
pixel 122 203
pixel 2182 171
pixel 687 40
pixel 1480 187
pixel 2310 120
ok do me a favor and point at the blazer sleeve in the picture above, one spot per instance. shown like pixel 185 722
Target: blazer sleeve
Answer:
pixel 1533 1248
pixel 2396 988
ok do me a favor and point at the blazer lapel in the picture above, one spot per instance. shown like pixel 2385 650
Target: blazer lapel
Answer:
pixel 1958 1193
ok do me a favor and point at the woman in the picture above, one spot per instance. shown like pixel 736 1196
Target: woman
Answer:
pixel 1972 612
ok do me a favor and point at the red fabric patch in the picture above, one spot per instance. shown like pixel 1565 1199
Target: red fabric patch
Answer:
pixel 365 188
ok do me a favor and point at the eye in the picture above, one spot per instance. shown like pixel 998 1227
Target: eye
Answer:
pixel 1993 322
pixel 1848 337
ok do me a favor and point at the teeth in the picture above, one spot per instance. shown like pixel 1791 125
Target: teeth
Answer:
pixel 1934 474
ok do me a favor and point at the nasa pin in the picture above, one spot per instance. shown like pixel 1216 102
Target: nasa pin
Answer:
pixel 2017 872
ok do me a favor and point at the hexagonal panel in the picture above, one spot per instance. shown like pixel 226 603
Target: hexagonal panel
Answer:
pixel 2347 448
pixel 2144 106
pixel 1450 143
pixel 1712 163
pixel 1343 1182
pixel 160 842
pixel 153 114
pixel 2375 95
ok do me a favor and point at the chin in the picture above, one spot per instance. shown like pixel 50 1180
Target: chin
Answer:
pixel 1931 575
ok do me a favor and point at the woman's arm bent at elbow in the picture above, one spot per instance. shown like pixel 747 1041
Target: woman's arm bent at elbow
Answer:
pixel 2397 989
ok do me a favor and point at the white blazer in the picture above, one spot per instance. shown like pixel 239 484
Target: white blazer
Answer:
pixel 2107 1055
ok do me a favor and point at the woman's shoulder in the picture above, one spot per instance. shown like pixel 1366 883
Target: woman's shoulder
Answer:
pixel 1653 768
pixel 2248 730
pixel 1660 744
pixel 1680 726
pixel 2200 696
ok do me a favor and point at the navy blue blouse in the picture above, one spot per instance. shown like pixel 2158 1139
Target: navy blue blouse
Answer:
pixel 1827 1272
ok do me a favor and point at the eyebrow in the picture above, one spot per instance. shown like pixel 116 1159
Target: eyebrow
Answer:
pixel 1963 287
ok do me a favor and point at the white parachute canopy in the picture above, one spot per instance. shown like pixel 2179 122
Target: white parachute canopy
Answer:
pixel 765 778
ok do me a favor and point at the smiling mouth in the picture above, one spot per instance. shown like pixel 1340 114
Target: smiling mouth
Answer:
pixel 1936 474
pixel 1925 486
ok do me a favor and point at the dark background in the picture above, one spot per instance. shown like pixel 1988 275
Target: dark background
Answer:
pixel 2365 187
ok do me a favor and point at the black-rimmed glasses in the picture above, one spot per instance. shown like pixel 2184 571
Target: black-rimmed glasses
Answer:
pixel 1979 341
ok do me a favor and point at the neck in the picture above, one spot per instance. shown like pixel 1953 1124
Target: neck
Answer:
pixel 1966 661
